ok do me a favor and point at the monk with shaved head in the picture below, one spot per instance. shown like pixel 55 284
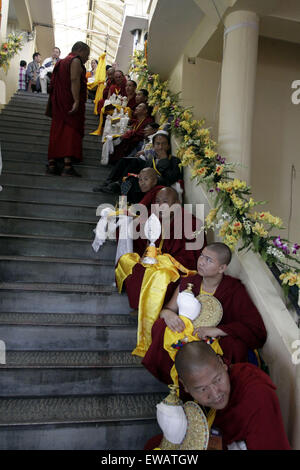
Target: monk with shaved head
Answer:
pixel 247 408
pixel 148 286
pixel 241 330
pixel 239 400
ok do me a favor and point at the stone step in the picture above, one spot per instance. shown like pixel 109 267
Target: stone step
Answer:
pixel 11 125
pixel 25 167
pixel 62 298
pixel 109 422
pixel 41 373
pixel 43 180
pixel 53 211
pixel 56 196
pixel 40 101
pixel 67 332
pixel 25 111
pixel 40 157
pixel 46 226
pixel 30 245
pixel 42 139
pixel 15 122
pixel 68 338
pixel 9 143
pixel 61 270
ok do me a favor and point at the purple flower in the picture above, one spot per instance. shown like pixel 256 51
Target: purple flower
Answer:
pixel 177 122
pixel 220 159
pixel 285 248
pixel 277 242
pixel 211 190
pixel 295 248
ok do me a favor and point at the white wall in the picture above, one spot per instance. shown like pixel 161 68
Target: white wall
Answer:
pixel 200 83
pixel 276 132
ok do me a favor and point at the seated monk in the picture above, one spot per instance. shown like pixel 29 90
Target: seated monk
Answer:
pixel 241 399
pixel 147 285
pixel 112 184
pixel 110 80
pixel 159 158
pixel 131 94
pixel 241 328
pixel 129 140
pixel 119 86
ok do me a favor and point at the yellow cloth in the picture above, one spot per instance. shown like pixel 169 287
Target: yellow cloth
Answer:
pixel 99 82
pixel 156 279
pixel 172 337
pixel 103 111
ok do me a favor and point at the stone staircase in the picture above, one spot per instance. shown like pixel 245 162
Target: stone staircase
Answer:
pixel 70 381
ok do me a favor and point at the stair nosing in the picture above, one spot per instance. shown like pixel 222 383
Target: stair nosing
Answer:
pixel 49 259
pixel 53 287
pixel 19 173
pixel 77 191
pixel 46 219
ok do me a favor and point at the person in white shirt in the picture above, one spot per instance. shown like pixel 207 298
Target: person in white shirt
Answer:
pixel 47 69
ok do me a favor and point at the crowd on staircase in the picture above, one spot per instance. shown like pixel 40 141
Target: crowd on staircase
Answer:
pixel 198 328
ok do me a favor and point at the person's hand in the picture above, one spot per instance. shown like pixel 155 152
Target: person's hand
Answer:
pixel 138 154
pixel 172 320
pixel 208 332
pixel 74 107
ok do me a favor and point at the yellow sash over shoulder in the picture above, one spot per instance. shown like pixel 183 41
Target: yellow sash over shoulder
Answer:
pixel 156 279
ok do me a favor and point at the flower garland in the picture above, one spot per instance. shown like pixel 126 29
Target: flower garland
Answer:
pixel 8 49
pixel 233 215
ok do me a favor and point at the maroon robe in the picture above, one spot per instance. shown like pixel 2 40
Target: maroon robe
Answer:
pixel 130 139
pixel 118 89
pixel 252 414
pixel 241 321
pixel 132 103
pixel 67 130
pixel 104 96
pixel 172 246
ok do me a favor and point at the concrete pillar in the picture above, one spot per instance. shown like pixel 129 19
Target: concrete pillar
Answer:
pixel 238 89
pixel 4 17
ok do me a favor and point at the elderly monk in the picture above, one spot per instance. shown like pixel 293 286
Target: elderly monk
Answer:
pixel 241 399
pixel 68 92
pixel 147 285
pixel 241 328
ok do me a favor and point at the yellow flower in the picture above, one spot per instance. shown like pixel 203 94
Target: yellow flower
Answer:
pixel 211 217
pixel 187 115
pixel 186 126
pixel 239 185
pixel 224 229
pixel 290 278
pixel 259 229
pixel 209 153
pixel 219 169
pixel 270 219
pixel 225 186
pixel 236 227
pixel 202 133
pixel 237 201
pixel 230 241
pixel 202 171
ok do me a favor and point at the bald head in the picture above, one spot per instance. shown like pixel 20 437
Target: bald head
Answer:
pixel 194 356
pixel 222 251
pixel 203 374
pixel 167 195
pixel 147 179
